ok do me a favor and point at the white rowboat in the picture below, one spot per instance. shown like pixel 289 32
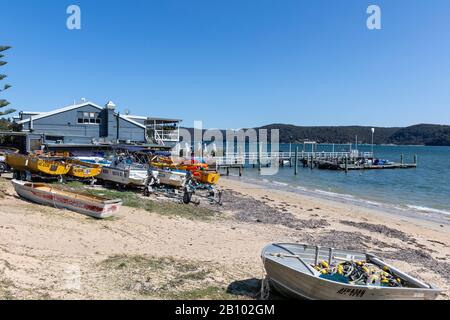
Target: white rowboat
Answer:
pixel 48 194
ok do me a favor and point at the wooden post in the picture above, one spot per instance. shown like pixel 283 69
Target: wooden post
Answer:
pixel 259 156
pixel 228 171
pixel 401 159
pixel 290 157
pixel 415 159
pixel 346 164
pixel 296 161
pixel 240 171
pixel 311 164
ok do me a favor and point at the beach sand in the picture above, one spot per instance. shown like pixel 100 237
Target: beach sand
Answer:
pixel 47 253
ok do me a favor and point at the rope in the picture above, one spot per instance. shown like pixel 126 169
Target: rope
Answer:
pixel 53 198
pixel 265 286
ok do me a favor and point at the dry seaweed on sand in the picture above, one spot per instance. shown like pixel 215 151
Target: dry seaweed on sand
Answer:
pixel 379 228
pixel 345 240
pixel 252 210
pixel 422 258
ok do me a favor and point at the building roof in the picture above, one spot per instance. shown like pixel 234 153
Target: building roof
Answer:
pixel 75 106
pixel 135 117
pixel 30 112
pixel 163 119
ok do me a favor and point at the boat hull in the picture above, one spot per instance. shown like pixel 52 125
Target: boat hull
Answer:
pixel 37 165
pixel 209 177
pixel 52 198
pixel 172 178
pixel 291 278
pixel 124 176
pixel 83 170
pixel 95 160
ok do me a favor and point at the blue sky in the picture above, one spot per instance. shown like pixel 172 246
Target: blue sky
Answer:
pixel 235 63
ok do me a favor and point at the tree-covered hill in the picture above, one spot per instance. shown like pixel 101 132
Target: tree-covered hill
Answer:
pixel 421 134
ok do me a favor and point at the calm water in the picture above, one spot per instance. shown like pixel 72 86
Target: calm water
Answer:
pixel 424 191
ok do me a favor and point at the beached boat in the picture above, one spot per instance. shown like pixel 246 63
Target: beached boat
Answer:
pixel 304 271
pixel 209 177
pixel 7 150
pixel 124 173
pixel 58 197
pixel 83 170
pixel 173 178
pixel 23 164
pixel 4 167
pixel 200 171
pixel 95 160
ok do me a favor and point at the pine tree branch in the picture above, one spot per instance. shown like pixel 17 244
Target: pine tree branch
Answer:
pixel 4 48
pixel 3 103
pixel 7 111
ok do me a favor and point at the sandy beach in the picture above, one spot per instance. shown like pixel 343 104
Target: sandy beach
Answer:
pixel 46 253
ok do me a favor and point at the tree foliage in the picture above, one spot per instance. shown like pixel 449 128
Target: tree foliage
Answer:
pixel 4 102
pixel 421 134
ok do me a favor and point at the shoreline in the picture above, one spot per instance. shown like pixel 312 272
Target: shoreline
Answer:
pixel 148 254
pixel 407 210
pixel 256 188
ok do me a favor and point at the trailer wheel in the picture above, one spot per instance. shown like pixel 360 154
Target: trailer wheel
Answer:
pixel 3 167
pixel 187 197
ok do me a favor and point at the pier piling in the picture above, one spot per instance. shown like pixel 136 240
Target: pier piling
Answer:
pixel 296 161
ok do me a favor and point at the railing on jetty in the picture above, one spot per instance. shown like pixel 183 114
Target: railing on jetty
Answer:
pixel 253 158
pixel 346 161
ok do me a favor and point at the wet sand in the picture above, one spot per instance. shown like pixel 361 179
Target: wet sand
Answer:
pixel 46 253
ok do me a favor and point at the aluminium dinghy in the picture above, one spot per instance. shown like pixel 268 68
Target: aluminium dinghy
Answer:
pixel 313 272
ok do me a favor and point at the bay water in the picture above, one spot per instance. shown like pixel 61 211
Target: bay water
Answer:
pixel 421 192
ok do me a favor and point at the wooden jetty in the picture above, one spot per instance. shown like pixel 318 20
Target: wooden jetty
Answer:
pixel 346 161
pixel 350 167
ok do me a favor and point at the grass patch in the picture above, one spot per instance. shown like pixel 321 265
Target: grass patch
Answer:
pixel 135 261
pixel 5 286
pixel 135 200
pixel 163 277
pixel 208 293
pixel 3 187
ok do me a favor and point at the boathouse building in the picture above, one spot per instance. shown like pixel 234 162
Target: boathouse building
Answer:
pixel 89 123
